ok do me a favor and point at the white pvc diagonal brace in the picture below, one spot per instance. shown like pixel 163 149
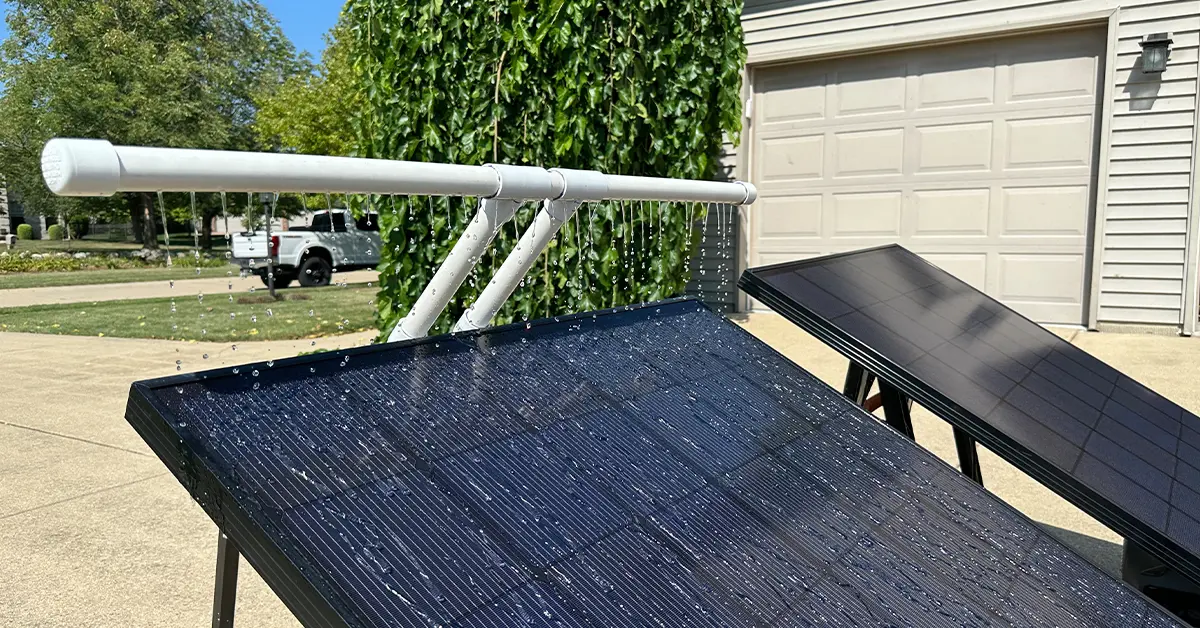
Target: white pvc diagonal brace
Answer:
pixel 547 223
pixel 516 183
pixel 492 215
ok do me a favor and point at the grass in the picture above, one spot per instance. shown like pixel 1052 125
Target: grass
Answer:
pixel 123 275
pixel 325 312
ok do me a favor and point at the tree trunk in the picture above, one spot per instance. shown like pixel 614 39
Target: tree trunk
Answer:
pixel 206 232
pixel 135 221
pixel 149 235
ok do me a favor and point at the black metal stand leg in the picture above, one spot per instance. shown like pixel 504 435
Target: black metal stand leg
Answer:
pixel 968 456
pixel 858 384
pixel 896 409
pixel 225 593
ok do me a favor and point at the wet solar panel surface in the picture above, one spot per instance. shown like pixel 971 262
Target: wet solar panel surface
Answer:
pixel 652 466
pixel 1112 446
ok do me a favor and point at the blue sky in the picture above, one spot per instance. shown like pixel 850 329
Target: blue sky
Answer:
pixel 303 21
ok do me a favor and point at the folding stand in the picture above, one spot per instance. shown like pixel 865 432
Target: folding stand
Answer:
pixel 897 412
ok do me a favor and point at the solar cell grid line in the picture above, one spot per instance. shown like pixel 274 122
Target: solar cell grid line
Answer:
pixel 368 490
pixel 1105 442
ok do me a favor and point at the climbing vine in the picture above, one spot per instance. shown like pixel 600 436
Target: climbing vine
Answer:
pixel 639 87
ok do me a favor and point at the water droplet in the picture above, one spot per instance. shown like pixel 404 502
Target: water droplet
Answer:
pixel 254 372
pixel 205 356
pixel 234 347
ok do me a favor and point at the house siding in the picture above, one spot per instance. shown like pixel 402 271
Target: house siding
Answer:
pixel 1147 187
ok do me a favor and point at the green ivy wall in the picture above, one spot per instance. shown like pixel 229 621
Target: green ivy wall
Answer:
pixel 641 87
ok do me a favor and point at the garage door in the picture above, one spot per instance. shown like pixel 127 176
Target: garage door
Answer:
pixel 979 156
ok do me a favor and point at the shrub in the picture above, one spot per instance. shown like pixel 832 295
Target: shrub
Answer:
pixel 636 87
pixel 80 226
pixel 54 232
pixel 25 232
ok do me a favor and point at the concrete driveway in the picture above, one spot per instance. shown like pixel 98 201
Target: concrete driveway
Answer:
pixel 95 532
pixel 93 529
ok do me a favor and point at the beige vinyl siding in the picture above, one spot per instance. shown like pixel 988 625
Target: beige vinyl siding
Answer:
pixel 1143 224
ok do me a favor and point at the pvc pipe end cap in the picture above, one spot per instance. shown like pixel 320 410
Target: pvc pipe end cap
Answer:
pixel 77 167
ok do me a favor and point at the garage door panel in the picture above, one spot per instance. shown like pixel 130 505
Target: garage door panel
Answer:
pixel 1045 74
pixel 951 213
pixel 790 217
pixel 870 88
pixel 875 214
pixel 1039 212
pixel 869 153
pixel 792 158
pixel 964 147
pixel 947 81
pixel 978 156
pixel 1054 142
pixel 792 98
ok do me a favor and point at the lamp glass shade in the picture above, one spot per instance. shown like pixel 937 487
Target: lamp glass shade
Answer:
pixel 1154 58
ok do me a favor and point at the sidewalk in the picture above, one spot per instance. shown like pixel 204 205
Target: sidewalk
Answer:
pixel 18 297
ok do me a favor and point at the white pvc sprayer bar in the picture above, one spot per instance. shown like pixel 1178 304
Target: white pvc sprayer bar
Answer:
pixel 83 167
pixel 75 167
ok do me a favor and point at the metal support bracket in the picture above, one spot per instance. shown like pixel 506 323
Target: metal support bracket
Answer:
pixel 225 591
pixel 897 409
pixel 858 384
pixel 968 456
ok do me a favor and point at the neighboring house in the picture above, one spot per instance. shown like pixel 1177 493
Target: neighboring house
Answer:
pixel 16 215
pixel 1017 143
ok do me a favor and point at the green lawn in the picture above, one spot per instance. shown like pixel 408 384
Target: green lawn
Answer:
pixel 325 312
pixel 123 275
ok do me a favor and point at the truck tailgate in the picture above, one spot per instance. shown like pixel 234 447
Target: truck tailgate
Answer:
pixel 249 246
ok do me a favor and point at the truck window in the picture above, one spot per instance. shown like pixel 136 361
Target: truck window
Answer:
pixel 320 222
pixel 367 222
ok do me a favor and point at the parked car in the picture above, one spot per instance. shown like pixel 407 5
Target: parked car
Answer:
pixel 335 240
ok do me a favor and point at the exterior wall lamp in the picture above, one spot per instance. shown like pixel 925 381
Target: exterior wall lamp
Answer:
pixel 1155 49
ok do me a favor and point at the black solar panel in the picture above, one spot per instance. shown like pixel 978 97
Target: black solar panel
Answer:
pixel 1113 447
pixel 648 466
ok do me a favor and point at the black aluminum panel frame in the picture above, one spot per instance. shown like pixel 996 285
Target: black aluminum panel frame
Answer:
pixel 940 404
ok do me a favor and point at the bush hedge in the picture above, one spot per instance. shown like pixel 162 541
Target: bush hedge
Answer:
pixel 25 232
pixel 54 232
pixel 638 87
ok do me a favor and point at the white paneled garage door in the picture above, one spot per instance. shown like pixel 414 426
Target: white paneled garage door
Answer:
pixel 979 156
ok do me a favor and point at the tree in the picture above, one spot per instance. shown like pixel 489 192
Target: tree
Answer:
pixel 640 87
pixel 313 113
pixel 179 73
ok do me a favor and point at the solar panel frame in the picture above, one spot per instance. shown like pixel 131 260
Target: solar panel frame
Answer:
pixel 755 282
pixel 308 592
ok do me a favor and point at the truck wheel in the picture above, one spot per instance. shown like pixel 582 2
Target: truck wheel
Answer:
pixel 315 271
pixel 282 280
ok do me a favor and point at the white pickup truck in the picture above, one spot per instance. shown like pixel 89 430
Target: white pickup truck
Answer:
pixel 334 240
